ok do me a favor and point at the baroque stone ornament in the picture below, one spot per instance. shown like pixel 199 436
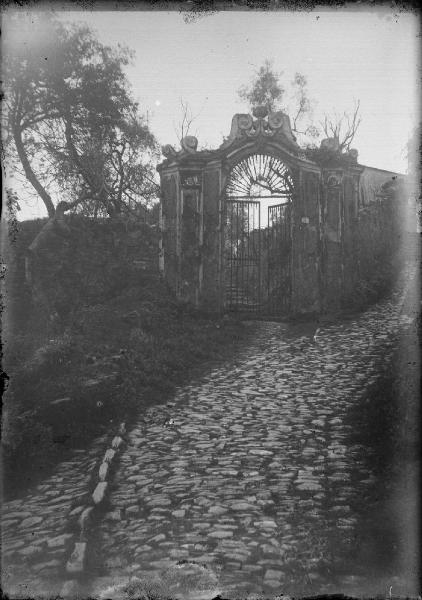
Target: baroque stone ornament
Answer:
pixel 331 144
pixel 189 143
pixel 243 122
pixel 260 112
pixel 333 180
pixel 353 153
pixel 276 120
pixel 168 151
pixel 266 125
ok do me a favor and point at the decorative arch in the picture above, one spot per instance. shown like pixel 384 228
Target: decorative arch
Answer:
pixel 260 175
pixel 257 233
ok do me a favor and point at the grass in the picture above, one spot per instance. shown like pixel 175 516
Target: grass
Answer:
pixel 107 362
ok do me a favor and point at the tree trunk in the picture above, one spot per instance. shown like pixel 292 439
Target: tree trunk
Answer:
pixel 29 173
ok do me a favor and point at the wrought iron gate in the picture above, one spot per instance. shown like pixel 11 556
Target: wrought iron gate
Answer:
pixel 243 255
pixel 257 259
pixel 257 255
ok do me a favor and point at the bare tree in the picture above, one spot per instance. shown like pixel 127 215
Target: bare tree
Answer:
pixel 183 127
pixel 343 127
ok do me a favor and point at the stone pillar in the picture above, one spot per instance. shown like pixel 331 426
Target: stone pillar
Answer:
pixel 170 210
pixel 349 237
pixel 332 239
pixel 191 236
pixel 211 293
pixel 306 243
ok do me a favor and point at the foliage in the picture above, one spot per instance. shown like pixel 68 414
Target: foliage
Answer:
pixel 376 241
pixel 266 89
pixel 119 343
pixel 328 157
pixel 70 121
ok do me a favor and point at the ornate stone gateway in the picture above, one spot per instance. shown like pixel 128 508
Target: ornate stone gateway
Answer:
pixel 255 226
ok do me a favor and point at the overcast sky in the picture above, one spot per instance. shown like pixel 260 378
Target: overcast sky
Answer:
pixel 370 55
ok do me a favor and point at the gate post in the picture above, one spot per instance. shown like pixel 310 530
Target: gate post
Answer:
pixel 306 264
pixel 191 225
pixel 340 191
pixel 181 222
pixel 211 294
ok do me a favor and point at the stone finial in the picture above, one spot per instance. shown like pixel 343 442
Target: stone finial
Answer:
pixel 353 153
pixel 260 112
pixel 240 122
pixel 330 144
pixel 168 151
pixel 279 121
pixel 189 143
pixel 276 119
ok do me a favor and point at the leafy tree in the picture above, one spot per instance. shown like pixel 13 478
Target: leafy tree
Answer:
pixel 73 129
pixel 71 124
pixel 266 89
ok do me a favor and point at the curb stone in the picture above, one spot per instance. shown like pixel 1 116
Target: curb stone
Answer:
pixel 76 563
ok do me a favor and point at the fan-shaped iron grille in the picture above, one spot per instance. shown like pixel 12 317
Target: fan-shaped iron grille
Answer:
pixel 260 176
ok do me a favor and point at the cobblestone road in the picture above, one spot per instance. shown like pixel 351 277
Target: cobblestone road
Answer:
pixel 250 470
pixel 36 536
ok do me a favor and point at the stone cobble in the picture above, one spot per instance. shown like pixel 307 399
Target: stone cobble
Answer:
pixel 251 470
pixel 38 528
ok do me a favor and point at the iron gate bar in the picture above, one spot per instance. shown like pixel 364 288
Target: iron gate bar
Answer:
pixel 255 170
pixel 260 197
pixel 243 254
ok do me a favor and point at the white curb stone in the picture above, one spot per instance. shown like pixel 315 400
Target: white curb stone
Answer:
pixel 99 492
pixel 76 562
pixel 102 473
pixel 109 455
